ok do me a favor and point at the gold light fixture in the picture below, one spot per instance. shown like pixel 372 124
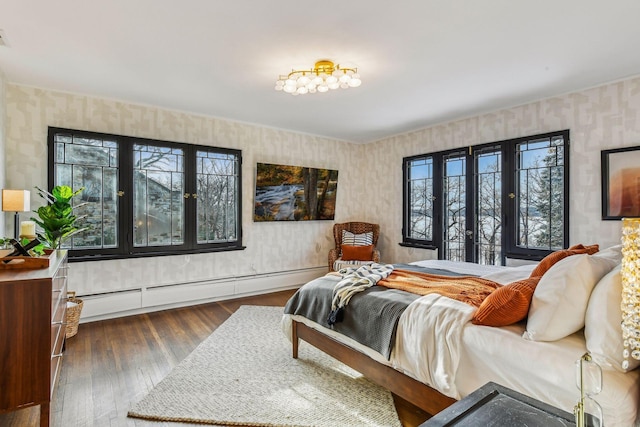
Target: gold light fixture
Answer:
pixel 630 275
pixel 323 76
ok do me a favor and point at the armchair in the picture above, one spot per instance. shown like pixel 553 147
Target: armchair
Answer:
pixel 355 228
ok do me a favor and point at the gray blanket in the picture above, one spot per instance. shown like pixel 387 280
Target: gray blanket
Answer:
pixel 371 317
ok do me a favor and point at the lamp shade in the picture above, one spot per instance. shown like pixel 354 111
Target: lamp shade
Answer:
pixel 16 200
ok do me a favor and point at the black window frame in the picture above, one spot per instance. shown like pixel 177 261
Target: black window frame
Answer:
pixel 126 247
pixel 509 152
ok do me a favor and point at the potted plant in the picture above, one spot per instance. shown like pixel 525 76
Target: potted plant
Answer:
pixel 56 218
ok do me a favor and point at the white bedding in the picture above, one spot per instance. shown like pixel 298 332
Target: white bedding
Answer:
pixel 469 356
pixel 542 370
pixel 432 321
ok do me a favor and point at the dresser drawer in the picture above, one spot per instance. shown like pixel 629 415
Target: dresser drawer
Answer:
pixel 58 305
pixel 57 338
pixel 56 359
pixel 60 278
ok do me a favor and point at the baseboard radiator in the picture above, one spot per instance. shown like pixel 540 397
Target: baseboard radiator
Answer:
pixel 153 298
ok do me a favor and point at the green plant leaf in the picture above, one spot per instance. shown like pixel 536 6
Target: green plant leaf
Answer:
pixel 56 218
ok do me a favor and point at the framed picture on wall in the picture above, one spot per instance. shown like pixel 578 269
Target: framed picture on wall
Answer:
pixel 294 193
pixel 621 183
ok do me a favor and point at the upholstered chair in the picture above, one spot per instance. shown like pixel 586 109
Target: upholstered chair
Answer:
pixel 360 230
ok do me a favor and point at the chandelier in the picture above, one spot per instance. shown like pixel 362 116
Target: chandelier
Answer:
pixel 322 77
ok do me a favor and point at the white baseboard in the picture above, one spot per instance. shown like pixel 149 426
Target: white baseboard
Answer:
pixel 154 298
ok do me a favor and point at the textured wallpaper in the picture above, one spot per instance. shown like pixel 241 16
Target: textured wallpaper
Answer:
pixel 600 118
pixel 370 175
pixel 3 116
pixel 270 247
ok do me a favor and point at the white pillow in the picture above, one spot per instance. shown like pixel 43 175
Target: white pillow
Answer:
pixel 602 329
pixel 364 239
pixel 612 252
pixel 560 300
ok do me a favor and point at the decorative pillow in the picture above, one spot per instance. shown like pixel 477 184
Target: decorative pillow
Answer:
pixel 357 253
pixel 548 261
pixel 506 305
pixel 602 329
pixel 591 249
pixel 560 300
pixel 613 252
pixel 364 239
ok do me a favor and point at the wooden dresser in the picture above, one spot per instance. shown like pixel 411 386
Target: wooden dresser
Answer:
pixel 32 330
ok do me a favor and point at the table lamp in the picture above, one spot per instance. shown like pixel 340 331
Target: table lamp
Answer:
pixel 630 275
pixel 16 201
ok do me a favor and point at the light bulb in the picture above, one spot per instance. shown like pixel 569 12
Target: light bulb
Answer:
pixel 331 79
pixel 317 80
pixel 323 88
pixel 355 82
pixel 289 89
pixel 344 85
pixel 334 85
pixel 304 80
pixel 311 85
pixel 279 87
pixel 302 90
pixel 280 83
pixel 345 78
pixel 290 82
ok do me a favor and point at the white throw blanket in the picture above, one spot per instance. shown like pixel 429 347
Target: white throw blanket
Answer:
pixel 355 280
pixel 432 326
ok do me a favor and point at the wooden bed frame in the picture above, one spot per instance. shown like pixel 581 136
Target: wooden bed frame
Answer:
pixel 411 390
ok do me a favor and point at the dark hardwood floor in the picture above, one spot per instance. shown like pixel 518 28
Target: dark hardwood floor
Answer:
pixel 111 364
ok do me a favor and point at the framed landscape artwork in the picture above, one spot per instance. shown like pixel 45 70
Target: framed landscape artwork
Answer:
pixel 621 183
pixel 294 193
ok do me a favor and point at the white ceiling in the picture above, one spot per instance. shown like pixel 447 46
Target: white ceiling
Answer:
pixel 422 61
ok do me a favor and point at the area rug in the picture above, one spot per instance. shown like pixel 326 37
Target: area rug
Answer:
pixel 244 375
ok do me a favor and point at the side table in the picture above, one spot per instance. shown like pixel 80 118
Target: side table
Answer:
pixel 496 405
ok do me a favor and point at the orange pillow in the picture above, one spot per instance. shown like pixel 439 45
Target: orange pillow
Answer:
pixel 357 253
pixel 507 304
pixel 591 249
pixel 548 261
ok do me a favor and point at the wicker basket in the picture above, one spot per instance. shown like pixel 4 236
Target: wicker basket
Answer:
pixel 73 314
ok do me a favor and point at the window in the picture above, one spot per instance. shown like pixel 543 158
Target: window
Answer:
pixel 146 197
pixel 489 202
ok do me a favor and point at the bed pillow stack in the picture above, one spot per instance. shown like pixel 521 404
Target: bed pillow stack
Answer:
pixel 511 303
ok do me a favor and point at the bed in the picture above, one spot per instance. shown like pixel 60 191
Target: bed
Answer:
pixel 575 308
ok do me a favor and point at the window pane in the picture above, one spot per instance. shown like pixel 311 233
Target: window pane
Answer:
pixel 540 202
pixel 454 192
pixel 488 230
pixel 87 155
pixel 158 203
pixel 217 186
pixel 86 162
pixel 420 173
